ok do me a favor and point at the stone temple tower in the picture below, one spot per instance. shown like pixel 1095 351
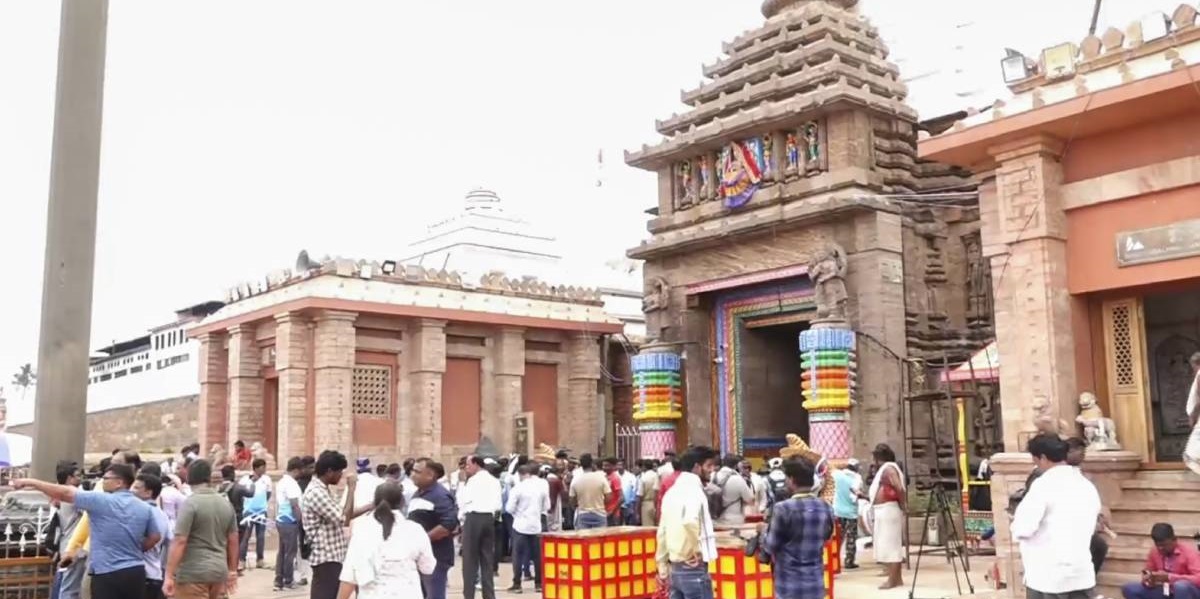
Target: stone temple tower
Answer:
pixel 783 208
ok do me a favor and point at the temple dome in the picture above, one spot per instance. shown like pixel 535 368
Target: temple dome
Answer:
pixel 771 8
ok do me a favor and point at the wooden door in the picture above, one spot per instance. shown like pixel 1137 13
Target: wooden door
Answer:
pixel 462 394
pixel 1125 358
pixel 539 394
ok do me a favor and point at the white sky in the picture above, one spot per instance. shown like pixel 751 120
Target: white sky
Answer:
pixel 238 132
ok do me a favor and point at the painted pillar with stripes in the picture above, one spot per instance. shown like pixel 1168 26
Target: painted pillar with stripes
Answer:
pixel 828 364
pixel 658 398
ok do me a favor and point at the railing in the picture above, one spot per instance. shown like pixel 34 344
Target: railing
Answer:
pixel 629 443
pixel 26 569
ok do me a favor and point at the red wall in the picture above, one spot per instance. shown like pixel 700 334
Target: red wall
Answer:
pixel 1092 240
pixel 1121 150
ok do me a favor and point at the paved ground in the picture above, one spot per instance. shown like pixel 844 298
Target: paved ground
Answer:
pixel 935 581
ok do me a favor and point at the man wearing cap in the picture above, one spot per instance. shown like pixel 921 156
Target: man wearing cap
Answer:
pixel 364 493
pixel 847 489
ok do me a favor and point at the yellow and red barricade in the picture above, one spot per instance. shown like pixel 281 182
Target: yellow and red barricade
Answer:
pixel 603 563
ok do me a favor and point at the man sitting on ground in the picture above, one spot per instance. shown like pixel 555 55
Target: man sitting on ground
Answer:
pixel 1172 569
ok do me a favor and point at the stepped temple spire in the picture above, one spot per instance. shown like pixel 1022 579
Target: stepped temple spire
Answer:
pixel 771 8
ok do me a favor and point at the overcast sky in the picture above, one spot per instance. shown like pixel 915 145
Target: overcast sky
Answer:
pixel 238 132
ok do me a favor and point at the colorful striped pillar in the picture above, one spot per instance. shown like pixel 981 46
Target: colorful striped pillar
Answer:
pixel 657 398
pixel 827 361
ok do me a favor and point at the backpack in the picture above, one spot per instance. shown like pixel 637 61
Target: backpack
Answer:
pixel 716 497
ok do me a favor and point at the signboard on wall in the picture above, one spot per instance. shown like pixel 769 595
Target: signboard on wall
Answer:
pixel 523 433
pixel 1159 244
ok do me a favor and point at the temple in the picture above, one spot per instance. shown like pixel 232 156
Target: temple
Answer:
pixel 343 355
pixel 799 252
pixel 1089 189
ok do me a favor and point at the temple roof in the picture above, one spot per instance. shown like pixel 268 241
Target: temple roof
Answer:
pixel 810 54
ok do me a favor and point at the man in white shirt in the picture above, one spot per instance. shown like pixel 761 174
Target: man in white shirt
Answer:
pixel 479 504
pixel 668 464
pixel 528 501
pixel 1054 525
pixel 686 541
pixel 364 493
pixel 288 516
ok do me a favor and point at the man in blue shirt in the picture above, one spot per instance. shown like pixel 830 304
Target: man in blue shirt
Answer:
pixel 122 530
pixel 147 488
pixel 434 508
pixel 847 489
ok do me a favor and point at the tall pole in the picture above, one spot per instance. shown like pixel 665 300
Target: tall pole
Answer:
pixel 1095 17
pixel 60 412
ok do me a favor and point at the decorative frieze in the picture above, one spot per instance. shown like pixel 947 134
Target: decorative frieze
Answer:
pixel 735 172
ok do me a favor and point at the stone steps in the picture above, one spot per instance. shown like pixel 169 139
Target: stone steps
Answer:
pixel 1151 496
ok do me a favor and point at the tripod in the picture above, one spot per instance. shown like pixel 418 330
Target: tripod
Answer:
pixel 939 504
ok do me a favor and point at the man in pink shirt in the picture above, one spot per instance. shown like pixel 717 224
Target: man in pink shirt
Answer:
pixel 1172 569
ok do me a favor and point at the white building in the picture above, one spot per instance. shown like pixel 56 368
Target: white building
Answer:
pixel 160 365
pixel 482 237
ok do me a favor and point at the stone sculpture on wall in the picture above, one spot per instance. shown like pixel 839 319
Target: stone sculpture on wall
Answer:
pixel 658 295
pixel 827 268
pixel 793 153
pixel 683 182
pixel 812 147
pixel 1099 432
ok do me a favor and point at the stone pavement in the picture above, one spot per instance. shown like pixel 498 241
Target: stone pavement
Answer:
pixel 936 580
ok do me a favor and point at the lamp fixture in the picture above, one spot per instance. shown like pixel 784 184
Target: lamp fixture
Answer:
pixel 389 267
pixel 1015 66
pixel 1058 62
pixel 1155 26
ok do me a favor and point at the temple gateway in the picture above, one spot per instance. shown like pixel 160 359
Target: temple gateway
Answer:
pixel 800 255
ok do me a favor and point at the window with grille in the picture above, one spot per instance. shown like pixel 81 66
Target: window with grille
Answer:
pixel 371 391
pixel 1122 346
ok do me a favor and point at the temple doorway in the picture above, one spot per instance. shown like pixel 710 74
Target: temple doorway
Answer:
pixel 769 386
pixel 1172 336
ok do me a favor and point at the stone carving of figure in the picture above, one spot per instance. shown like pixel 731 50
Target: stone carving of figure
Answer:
pixel 768 170
pixel 684 180
pixel 706 189
pixel 658 295
pixel 793 153
pixel 812 147
pixel 1099 432
pixel 827 269
pixel 1045 422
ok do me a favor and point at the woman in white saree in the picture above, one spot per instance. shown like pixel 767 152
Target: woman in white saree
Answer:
pixel 387 553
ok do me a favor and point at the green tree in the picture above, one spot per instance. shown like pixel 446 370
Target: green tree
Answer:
pixel 24 378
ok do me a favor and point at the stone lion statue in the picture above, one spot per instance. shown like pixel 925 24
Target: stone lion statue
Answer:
pixel 260 453
pixel 1044 420
pixel 1099 432
pixel 217 456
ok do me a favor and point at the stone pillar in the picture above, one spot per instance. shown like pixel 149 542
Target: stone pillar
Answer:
pixel 292 364
pixel 508 370
pixel 214 391
pixel 658 399
pixel 60 406
pixel 333 364
pixel 421 422
pixel 1024 236
pixel 245 386
pixel 579 420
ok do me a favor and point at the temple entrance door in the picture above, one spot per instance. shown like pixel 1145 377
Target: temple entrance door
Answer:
pixel 1125 359
pixel 270 420
pixel 769 385
pixel 1172 336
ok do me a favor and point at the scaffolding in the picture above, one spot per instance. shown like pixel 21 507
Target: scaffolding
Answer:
pixel 936 421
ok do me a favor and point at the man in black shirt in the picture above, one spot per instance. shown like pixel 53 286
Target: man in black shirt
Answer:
pixel 433 507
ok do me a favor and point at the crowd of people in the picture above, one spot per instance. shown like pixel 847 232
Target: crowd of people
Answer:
pixel 180 529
